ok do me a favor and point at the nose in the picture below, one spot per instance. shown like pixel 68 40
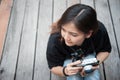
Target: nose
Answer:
pixel 66 37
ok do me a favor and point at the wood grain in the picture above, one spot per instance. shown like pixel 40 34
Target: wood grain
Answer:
pixel 24 51
pixel 5 8
pixel 112 64
pixel 12 43
pixel 41 70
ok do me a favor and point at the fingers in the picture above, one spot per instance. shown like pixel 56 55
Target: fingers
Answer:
pixel 74 68
pixel 95 67
pixel 74 63
pixel 82 73
pixel 70 70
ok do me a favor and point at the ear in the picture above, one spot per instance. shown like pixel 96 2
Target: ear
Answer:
pixel 88 35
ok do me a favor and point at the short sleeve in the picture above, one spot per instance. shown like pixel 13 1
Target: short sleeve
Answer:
pixel 54 52
pixel 101 40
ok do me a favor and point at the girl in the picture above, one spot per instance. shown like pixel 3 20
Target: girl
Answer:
pixel 77 30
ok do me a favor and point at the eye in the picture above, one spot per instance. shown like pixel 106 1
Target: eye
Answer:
pixel 63 30
pixel 74 34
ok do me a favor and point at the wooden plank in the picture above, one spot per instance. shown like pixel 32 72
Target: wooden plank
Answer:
pixel 72 2
pixel 88 2
pixel 5 8
pixel 59 8
pixel 102 75
pixel 56 77
pixel 41 70
pixel 57 12
pixel 114 7
pixel 27 46
pixel 10 51
pixel 112 64
pixel 91 3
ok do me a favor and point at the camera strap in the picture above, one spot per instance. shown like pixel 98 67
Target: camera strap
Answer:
pixel 77 54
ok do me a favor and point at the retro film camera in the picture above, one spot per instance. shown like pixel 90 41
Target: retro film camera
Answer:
pixel 86 63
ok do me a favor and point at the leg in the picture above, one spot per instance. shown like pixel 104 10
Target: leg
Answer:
pixel 73 77
pixel 95 75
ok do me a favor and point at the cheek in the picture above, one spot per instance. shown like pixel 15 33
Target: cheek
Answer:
pixel 78 41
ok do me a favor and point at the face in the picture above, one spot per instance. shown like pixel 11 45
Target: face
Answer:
pixel 72 35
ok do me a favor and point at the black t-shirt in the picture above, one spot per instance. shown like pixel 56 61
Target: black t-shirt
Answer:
pixel 58 51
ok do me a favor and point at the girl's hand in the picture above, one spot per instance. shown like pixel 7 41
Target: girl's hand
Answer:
pixel 71 69
pixel 82 73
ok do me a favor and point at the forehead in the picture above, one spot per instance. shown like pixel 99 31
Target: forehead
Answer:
pixel 71 27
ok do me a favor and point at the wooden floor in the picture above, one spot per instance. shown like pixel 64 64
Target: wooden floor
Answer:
pixel 24 51
pixel 5 8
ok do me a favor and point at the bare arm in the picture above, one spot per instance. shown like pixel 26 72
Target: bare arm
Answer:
pixel 102 56
pixel 69 70
pixel 57 70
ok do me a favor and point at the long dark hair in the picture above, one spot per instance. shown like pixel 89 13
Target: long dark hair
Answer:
pixel 83 16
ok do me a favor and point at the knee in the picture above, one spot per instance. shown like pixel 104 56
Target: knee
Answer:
pixel 93 76
pixel 74 77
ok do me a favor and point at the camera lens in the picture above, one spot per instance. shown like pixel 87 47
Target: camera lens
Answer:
pixel 88 69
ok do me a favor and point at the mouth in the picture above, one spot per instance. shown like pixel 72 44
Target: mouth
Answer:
pixel 68 42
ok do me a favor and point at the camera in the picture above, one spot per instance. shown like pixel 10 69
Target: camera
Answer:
pixel 85 63
pixel 88 63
